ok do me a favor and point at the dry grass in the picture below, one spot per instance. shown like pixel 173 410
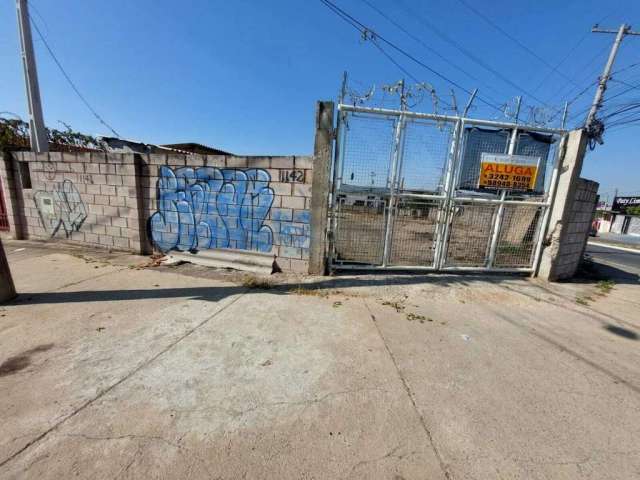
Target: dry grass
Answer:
pixel 584 300
pixel 309 291
pixel 415 316
pixel 605 286
pixel 254 282
pixel 399 307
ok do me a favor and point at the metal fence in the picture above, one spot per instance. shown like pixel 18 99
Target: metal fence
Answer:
pixel 406 195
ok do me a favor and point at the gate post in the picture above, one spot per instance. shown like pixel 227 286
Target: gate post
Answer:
pixel 7 289
pixel 561 255
pixel 320 187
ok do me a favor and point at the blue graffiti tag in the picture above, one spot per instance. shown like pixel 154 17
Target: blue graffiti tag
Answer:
pixel 295 235
pixel 209 207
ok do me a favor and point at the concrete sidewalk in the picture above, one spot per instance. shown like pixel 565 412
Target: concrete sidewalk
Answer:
pixel 110 369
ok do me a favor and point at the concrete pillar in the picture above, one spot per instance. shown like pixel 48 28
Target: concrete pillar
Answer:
pixel 143 246
pixel 556 262
pixel 7 289
pixel 320 188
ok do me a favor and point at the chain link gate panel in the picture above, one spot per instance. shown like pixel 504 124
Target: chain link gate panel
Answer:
pixel 406 194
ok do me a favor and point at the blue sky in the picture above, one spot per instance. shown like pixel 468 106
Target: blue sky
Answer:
pixel 244 75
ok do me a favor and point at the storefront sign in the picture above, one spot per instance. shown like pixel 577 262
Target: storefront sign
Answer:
pixel 621 204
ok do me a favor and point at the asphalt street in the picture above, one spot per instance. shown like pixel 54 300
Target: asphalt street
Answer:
pixel 623 259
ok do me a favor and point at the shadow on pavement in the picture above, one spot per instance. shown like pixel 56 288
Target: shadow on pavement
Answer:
pixel 216 293
pixel 622 332
pixel 592 271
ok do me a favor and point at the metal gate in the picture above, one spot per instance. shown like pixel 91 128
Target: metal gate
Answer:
pixel 405 193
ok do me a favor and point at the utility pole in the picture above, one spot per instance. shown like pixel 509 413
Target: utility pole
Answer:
pixel 594 127
pixel 39 142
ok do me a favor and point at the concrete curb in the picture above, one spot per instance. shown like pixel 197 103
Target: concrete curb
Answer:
pixel 615 247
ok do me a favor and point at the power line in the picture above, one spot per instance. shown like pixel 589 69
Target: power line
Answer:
pixel 429 47
pixel 403 70
pixel 622 109
pixel 624 127
pixel 400 67
pixel 469 54
pixel 71 83
pixel 595 82
pixel 632 87
pixel 560 92
pixel 608 99
pixel 582 92
pixel 568 55
pixel 367 33
pixel 392 60
pixel 628 67
pixel 564 59
pixel 514 39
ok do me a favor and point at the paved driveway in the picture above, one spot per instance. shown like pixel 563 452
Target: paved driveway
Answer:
pixel 109 371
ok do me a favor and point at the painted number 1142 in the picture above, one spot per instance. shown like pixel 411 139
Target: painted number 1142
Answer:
pixel 292 176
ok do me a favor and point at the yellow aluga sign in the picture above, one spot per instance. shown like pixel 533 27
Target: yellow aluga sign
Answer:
pixel 508 172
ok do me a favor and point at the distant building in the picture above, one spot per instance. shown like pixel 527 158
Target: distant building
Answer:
pixel 620 218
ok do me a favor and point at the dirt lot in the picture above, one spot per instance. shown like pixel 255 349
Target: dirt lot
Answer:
pixel 111 368
pixel 360 235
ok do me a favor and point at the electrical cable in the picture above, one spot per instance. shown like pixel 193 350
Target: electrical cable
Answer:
pixel 584 110
pixel 564 59
pixel 468 54
pixel 71 83
pixel 402 69
pixel 593 71
pixel 515 40
pixel 430 48
pixel 366 32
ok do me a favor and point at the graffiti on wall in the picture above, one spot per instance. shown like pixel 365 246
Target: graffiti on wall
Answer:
pixel 61 208
pixel 297 236
pixel 209 207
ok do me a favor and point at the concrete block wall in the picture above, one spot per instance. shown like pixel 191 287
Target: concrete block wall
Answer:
pixel 251 203
pixel 87 198
pixel 571 250
pixel 192 203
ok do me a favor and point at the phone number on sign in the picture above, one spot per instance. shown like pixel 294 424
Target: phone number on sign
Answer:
pixel 522 184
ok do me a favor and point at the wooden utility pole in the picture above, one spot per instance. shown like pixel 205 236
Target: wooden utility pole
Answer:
pixel 593 126
pixel 39 142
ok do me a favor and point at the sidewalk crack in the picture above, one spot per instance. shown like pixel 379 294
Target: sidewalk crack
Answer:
pixel 108 389
pixel 407 389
